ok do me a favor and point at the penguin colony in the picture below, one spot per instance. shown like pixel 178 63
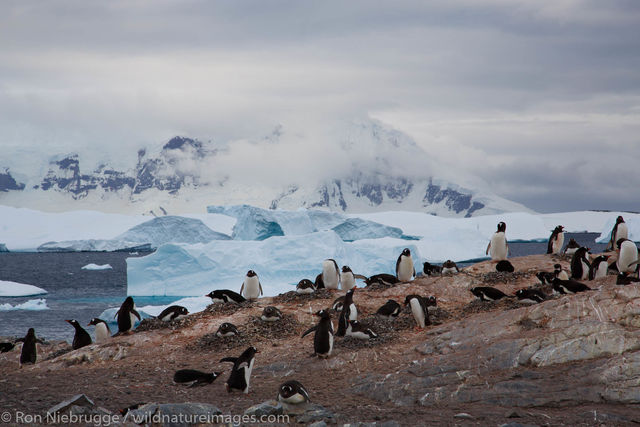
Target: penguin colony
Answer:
pixel 293 392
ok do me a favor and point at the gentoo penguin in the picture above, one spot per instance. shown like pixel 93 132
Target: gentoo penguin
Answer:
pixel 580 264
pixel 530 296
pixel 572 247
pixel 305 286
pixel 349 312
pixel 599 267
pixel 194 378
pixel 405 271
pixel 449 267
pixel 487 293
pixel 271 314
pixel 619 231
pixel 225 295
pixel 347 279
pixel 383 279
pixel 356 330
pixel 174 312
pixel 504 266
pixel 570 286
pixel 625 279
pixel 102 329
pixel 390 309
pixel 81 338
pixel 337 304
pixel 419 308
pixel 227 330
pixel 431 270
pixel 556 241
pixel 323 338
pixel 559 272
pixel 127 316
pixel 241 371
pixel 330 276
pixel 627 256
pixel 293 393
pixel 251 287
pixel 498 247
pixel 6 346
pixel 29 353
pixel 545 277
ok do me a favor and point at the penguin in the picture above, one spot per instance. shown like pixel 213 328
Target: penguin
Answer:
pixel 627 256
pixel 619 231
pixel 580 264
pixel 81 338
pixel 390 309
pixel 559 272
pixel 545 277
pixel 405 271
pixel 323 338
pixel 347 279
pixel 356 330
pixel 498 247
pixel 337 304
pixel 449 267
pixel 598 267
pixel 6 346
pixel 174 312
pixel 29 353
pixel 227 330
pixel 383 279
pixel 271 314
pixel 241 371
pixel 224 296
pixel 625 279
pixel 570 286
pixel 504 266
pixel 194 378
pixel 127 316
pixel 292 393
pixel 487 293
pixel 330 276
pixel 530 296
pixel 431 270
pixel 349 312
pixel 419 308
pixel 571 248
pixel 305 286
pixel 556 241
pixel 251 287
pixel 102 329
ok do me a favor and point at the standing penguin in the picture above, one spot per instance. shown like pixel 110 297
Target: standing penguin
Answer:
pixel 29 353
pixel 349 312
pixel 599 267
pixel 81 338
pixel 419 308
pixel 405 270
pixel 102 329
pixel 627 256
pixel 347 279
pixel 619 231
pixel 580 264
pixel 498 247
pixel 241 371
pixel 127 316
pixel 330 276
pixel 323 338
pixel 251 286
pixel 556 241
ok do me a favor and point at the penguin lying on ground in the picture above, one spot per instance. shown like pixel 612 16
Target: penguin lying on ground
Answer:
pixel 530 296
pixel 6 346
pixel 625 279
pixel 194 378
pixel 225 295
pixel 174 312
pixel 356 330
pixel 449 267
pixel 323 338
pixel 227 330
pixel 241 371
pixel 487 293
pixel 383 279
pixel 292 393
pixel 570 286
pixel 305 286
pixel 504 266
pixel 431 270
pixel 390 309
pixel 271 314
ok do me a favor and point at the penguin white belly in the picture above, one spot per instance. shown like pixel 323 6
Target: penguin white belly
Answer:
pixel 628 255
pixel 405 269
pixel 305 290
pixel 353 312
pixel 102 333
pixel 295 399
pixel 585 270
pixel 133 320
pixel 449 270
pixel 498 250
pixel 330 276
pixel 251 288
pixel 563 275
pixel 247 374
pixel 330 344
pixel 622 232
pixel 602 270
pixel 347 281
pixel 418 314
pixel 556 246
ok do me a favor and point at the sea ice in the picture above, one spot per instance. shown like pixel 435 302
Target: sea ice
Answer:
pixel 14 289
pixel 32 305
pixel 97 267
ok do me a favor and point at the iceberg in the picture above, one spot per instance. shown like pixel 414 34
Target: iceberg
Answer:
pixel 97 267
pixel 3 248
pixel 92 245
pixel 280 262
pixel 15 289
pixel 171 229
pixel 32 304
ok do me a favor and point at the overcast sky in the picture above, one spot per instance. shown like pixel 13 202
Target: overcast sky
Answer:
pixel 540 99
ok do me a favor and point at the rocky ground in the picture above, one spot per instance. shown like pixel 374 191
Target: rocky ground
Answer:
pixel 572 360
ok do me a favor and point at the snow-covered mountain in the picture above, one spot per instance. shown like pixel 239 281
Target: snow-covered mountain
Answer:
pixel 363 167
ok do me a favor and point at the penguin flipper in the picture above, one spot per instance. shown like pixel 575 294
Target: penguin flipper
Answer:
pixel 116 315
pixel 488 247
pixel 361 277
pixel 260 286
pixel 19 340
pixel 229 359
pixel 135 313
pixel 309 331
pixel 241 288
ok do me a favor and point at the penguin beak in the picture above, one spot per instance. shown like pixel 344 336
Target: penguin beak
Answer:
pixel 89 324
pixel 68 321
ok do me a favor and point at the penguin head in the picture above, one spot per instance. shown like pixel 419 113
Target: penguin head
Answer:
pixel 183 311
pixel 448 264
pixel 619 220
pixel 95 321
pixel 431 301
pixel 408 298
pixel 520 292
pixel 271 311
pixel 354 323
pixel 128 303
pixel 346 269
pixel 31 332
pixel 558 229
pixel 251 273
pixel 406 252
pixel 573 244
pixel 502 227
pixel 323 314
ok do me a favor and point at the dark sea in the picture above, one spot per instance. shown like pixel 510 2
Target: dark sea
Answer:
pixel 74 293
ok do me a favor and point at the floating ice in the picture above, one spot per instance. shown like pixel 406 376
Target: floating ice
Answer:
pixel 171 229
pixel 14 289
pixel 32 304
pixel 97 267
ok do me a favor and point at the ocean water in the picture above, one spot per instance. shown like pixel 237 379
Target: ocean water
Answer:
pixel 74 293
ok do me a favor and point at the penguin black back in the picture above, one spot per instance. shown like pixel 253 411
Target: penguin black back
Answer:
pixel 323 338
pixel 194 376
pixel 292 392
pixel 225 295
pixel 29 352
pixel 580 264
pixel 81 338
pixel 504 266
pixel 487 293
pixel 241 371
pixel 345 314
pixel 383 279
pixel 126 315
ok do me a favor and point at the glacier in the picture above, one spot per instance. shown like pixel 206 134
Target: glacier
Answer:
pixel 15 289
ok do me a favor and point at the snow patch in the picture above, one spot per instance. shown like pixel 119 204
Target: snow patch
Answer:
pixel 15 289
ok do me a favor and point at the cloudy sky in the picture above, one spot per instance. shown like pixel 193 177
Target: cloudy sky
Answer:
pixel 539 99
